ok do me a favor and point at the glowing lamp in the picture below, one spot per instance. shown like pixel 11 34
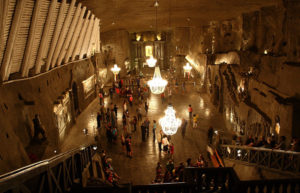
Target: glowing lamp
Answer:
pixel 169 123
pixel 115 70
pixel 187 69
pixel 151 61
pixel 157 84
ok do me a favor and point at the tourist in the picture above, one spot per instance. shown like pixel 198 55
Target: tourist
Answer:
pixel 210 134
pixel 154 129
pixel 134 123
pixel 249 140
pixel 98 120
pixel 128 146
pixel 162 96
pixel 282 143
pixel 200 162
pixel 116 111
pixel 159 140
pixel 190 110
pixel 143 129
pixel 195 119
pixel 124 106
pixel 171 150
pixel 124 119
pixel 147 125
pixel 146 107
pixel 165 143
pixel 183 127
pixel 189 162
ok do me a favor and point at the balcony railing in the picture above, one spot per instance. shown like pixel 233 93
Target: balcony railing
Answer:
pixel 263 157
pixel 56 174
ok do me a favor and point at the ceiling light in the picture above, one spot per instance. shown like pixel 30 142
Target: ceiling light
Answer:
pixel 151 61
pixel 157 84
pixel 156 4
pixel 169 123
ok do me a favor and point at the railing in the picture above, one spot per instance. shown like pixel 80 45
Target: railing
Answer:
pixel 211 179
pixel 263 157
pixel 178 187
pixel 56 174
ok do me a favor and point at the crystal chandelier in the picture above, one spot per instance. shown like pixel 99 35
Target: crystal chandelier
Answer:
pixel 157 84
pixel 169 123
pixel 151 61
pixel 115 70
pixel 187 69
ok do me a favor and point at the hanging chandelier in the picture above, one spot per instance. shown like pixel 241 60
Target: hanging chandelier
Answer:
pixel 169 123
pixel 115 70
pixel 151 61
pixel 187 69
pixel 157 84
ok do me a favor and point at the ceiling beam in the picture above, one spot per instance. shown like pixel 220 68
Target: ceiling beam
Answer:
pixel 45 35
pixel 3 15
pixel 93 37
pixel 28 49
pixel 87 37
pixel 75 37
pixel 63 33
pixel 59 22
pixel 77 48
pixel 6 65
pixel 70 34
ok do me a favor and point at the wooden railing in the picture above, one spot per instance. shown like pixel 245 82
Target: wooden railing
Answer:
pixel 263 157
pixel 56 174
pixel 176 187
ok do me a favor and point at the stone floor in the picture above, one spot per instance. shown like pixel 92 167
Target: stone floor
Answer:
pixel 141 168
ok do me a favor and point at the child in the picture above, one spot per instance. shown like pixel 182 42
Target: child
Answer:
pixel 195 119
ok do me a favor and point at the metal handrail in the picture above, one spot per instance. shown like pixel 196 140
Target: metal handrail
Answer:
pixel 41 163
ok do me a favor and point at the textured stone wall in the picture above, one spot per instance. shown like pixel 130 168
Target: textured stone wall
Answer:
pixel 251 68
pixel 20 100
pixel 116 47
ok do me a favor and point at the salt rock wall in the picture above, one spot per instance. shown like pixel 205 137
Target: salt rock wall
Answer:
pixel 116 47
pixel 252 68
pixel 20 100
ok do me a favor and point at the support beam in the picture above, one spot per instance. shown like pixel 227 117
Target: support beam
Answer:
pixel 86 37
pixel 34 20
pixel 45 35
pixel 63 33
pixel 92 41
pixel 70 34
pixel 3 15
pixel 5 68
pixel 80 40
pixel 75 37
pixel 60 20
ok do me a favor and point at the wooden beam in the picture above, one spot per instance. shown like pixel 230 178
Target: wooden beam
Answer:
pixel 65 29
pixel 5 68
pixel 93 37
pixel 3 15
pixel 80 40
pixel 76 35
pixel 70 34
pixel 34 20
pixel 60 20
pixel 45 35
pixel 86 37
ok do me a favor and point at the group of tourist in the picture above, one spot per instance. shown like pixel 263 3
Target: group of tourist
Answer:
pixel 110 175
pixel 175 174
pixel 269 142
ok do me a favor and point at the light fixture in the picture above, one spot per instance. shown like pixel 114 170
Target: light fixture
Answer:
pixel 169 123
pixel 187 69
pixel 156 4
pixel 115 70
pixel 157 84
pixel 151 61
pixel 138 37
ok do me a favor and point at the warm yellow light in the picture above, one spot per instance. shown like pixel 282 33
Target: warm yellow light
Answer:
pixel 115 70
pixel 138 37
pixel 151 61
pixel 157 84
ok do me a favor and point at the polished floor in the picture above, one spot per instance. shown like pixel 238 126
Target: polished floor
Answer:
pixel 141 168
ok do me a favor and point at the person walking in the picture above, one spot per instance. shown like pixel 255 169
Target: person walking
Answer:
pixel 143 128
pixel 98 120
pixel 195 121
pixel 210 134
pixel 190 109
pixel 128 146
pixel 154 129
pixel 146 107
pixel 116 111
pixel 183 127
pixel 147 125
pixel 159 140
pixel 134 123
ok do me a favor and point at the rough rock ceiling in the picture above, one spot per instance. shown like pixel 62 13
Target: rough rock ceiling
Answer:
pixel 139 15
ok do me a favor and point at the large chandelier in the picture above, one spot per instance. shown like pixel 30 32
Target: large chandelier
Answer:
pixel 115 70
pixel 169 123
pixel 157 84
pixel 187 69
pixel 151 61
